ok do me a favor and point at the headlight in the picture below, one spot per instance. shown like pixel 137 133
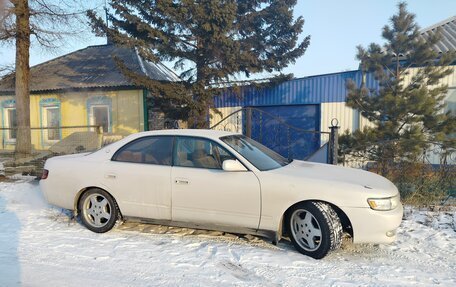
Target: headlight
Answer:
pixel 388 203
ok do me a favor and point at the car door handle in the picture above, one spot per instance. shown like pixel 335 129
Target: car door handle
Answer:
pixel 181 181
pixel 110 175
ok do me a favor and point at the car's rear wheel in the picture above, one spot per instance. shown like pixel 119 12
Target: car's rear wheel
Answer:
pixel 98 210
pixel 314 228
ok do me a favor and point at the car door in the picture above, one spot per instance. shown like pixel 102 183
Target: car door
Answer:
pixel 204 193
pixel 138 175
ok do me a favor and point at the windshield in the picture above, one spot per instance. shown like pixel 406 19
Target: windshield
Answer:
pixel 257 154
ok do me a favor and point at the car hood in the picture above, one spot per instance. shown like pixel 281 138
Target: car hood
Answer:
pixel 336 176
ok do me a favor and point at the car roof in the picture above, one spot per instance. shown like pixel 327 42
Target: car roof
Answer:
pixel 214 134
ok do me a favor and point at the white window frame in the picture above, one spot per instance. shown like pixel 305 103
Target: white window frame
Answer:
pixel 7 124
pixel 92 115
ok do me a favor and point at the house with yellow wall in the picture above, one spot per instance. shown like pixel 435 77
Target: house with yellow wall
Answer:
pixel 80 90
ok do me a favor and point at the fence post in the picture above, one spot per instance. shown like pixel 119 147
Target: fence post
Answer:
pixel 333 145
pixel 248 122
pixel 100 136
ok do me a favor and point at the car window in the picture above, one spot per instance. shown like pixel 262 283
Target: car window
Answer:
pixel 257 154
pixel 199 153
pixel 149 150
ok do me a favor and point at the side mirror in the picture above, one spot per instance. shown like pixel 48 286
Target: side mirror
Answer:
pixel 233 165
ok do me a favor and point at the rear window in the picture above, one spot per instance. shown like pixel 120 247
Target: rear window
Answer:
pixel 147 150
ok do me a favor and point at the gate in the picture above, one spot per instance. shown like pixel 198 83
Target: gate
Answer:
pixel 272 127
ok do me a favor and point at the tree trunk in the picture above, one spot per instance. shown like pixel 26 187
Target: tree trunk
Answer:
pixel 201 113
pixel 23 138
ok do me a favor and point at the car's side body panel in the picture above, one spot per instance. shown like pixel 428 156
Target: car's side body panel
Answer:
pixel 68 175
pixel 141 190
pixel 216 196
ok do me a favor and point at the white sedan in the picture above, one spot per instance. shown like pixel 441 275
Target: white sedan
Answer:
pixel 223 181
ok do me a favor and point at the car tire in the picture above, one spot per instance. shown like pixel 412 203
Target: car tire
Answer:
pixel 314 228
pixel 98 210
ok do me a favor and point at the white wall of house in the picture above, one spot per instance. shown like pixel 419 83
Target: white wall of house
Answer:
pixel 233 123
pixel 348 118
pixel 450 101
pixel 351 119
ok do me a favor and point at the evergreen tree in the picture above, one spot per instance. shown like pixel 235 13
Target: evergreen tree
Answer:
pixel 407 109
pixel 209 41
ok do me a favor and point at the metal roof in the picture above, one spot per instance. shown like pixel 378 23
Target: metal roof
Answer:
pixel 308 90
pixel 323 88
pixel 448 30
pixel 91 67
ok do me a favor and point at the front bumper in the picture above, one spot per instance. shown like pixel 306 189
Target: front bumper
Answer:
pixel 373 226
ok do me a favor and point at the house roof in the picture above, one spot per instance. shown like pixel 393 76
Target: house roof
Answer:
pixel 91 67
pixel 448 30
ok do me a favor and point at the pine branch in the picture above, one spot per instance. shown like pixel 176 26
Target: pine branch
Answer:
pixel 398 104
pixel 209 41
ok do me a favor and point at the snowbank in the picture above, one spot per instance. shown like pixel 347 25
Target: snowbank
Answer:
pixel 41 245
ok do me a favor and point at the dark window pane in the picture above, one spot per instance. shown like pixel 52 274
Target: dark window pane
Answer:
pixel 150 150
pixel 200 153
pixel 12 121
pixel 101 116
pixel 52 121
pixel 223 154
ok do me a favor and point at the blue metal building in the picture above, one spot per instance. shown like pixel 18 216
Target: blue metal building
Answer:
pixel 311 103
pixel 304 104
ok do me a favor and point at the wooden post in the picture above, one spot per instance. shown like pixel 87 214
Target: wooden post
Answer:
pixel 100 136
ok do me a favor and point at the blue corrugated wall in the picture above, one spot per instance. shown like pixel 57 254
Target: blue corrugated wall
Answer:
pixel 308 90
pixel 297 103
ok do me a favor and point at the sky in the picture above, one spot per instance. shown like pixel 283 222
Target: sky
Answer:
pixel 336 27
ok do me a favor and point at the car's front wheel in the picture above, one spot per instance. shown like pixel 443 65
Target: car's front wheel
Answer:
pixel 98 210
pixel 314 228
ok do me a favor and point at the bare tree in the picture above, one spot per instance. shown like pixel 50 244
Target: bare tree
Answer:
pixel 5 21
pixel 22 85
pixel 46 23
pixel 2 12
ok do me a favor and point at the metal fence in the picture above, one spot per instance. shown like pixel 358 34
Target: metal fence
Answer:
pixel 47 142
pixel 290 141
pixel 64 140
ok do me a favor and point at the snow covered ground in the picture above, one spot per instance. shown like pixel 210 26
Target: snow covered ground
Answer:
pixel 41 245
